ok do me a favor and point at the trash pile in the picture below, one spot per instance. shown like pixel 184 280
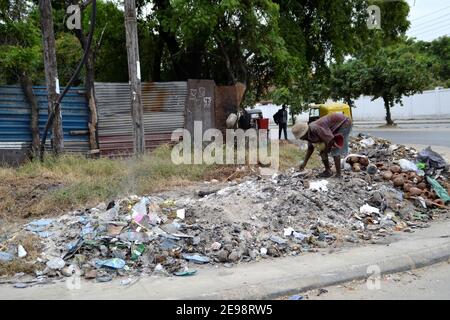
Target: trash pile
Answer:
pixel 419 175
pixel 283 215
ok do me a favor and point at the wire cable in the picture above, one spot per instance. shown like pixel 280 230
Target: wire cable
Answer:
pixel 82 62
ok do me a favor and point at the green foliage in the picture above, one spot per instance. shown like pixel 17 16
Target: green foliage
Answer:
pixel 439 51
pixel 20 44
pixel 348 80
pixel 396 72
pixel 390 73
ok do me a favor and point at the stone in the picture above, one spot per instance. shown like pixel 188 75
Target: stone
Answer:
pixel 222 256
pixel 56 264
pixel 234 256
pixel 91 274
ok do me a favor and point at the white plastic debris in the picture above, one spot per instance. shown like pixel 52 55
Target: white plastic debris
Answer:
pixel 181 214
pixel 407 165
pixel 367 142
pixel 320 185
pixel 288 231
pixel 263 251
pixel 140 208
pixel 21 252
pixel 300 236
pixel 366 209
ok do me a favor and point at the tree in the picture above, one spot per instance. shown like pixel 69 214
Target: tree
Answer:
pixel 134 71
pixel 51 73
pixel 395 72
pixel 439 51
pixel 20 55
pixel 347 81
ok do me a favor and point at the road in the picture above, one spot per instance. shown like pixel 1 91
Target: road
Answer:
pixel 430 283
pixel 422 136
pixel 439 136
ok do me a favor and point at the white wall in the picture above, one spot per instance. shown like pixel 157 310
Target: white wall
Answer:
pixel 269 110
pixel 433 104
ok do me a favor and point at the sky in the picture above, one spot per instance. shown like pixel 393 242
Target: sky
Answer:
pixel 430 19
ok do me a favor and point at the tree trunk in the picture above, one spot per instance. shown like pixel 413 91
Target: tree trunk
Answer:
pixel 51 72
pixel 90 90
pixel 27 87
pixel 134 73
pixel 387 106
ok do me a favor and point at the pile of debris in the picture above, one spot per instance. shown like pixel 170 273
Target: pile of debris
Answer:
pixel 286 214
pixel 419 175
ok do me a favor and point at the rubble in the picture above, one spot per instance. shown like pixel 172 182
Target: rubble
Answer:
pixel 284 215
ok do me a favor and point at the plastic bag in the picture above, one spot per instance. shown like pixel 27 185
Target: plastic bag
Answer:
pixel 432 159
pixel 407 165
pixel 440 191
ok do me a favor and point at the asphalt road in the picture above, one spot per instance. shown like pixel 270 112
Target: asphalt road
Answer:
pixel 429 137
pixel 431 283
pixel 439 136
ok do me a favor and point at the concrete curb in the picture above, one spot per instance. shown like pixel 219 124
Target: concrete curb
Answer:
pixel 403 263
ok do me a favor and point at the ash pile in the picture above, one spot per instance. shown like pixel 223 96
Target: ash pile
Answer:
pixel 257 218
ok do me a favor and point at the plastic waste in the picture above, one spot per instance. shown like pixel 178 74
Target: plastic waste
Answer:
pixel 288 231
pixel 407 165
pixel 137 251
pixel 278 240
pixel 366 209
pixel 431 159
pixel 196 258
pixel 320 185
pixel 6 257
pixel 185 273
pixel 181 214
pixel 421 165
pixel 263 251
pixel 300 236
pixel 296 297
pixel 21 252
pixel 132 236
pixel 367 142
pixel 38 225
pixel 140 208
pixel 168 244
pixel 440 191
pixel 114 263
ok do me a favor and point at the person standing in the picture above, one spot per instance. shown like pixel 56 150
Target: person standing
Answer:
pixel 281 119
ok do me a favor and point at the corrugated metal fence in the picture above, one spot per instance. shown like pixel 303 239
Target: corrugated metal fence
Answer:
pixel 164 108
pixel 15 118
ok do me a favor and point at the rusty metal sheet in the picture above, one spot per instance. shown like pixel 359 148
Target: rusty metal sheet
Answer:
pixel 164 109
pixel 228 100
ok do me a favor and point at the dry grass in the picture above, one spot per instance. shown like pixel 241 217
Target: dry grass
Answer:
pixel 70 182
pixel 32 246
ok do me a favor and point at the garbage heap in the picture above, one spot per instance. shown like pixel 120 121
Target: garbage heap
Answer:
pixel 422 176
pixel 257 218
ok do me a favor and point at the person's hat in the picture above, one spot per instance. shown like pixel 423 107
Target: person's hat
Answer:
pixel 299 129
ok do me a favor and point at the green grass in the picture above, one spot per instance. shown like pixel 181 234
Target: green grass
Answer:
pixel 70 181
